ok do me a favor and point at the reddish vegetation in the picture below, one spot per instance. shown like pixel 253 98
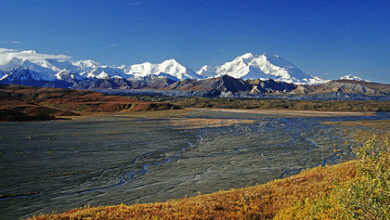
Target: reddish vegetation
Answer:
pixel 21 103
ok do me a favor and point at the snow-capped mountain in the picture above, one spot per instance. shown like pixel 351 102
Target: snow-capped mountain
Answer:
pixel 167 68
pixel 208 71
pixel 60 67
pixel 353 77
pixel 264 66
pixel 46 67
pixel 42 65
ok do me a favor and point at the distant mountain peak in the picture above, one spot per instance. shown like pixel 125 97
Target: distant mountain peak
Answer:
pixel 89 63
pixel 168 68
pixel 263 66
pixel 207 71
pixel 246 56
pixel 171 61
pixel 353 77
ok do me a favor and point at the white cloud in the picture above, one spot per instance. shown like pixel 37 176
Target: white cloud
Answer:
pixel 33 56
pixel 5 50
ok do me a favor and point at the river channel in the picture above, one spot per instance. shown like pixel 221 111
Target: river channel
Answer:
pixel 54 166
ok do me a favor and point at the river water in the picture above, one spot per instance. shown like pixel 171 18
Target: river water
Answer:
pixel 58 165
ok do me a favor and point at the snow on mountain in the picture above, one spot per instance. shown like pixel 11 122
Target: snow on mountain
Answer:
pixel 264 66
pixel 353 77
pixel 207 71
pixel 105 72
pixel 86 64
pixel 43 64
pixel 170 67
pixel 67 75
pixel 23 74
pixel 54 67
pixel 60 67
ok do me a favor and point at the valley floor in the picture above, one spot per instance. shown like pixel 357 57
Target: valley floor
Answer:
pixel 318 193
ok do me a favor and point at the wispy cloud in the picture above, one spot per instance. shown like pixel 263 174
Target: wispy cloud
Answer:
pixel 134 3
pixel 10 42
pixel 15 42
pixel 113 45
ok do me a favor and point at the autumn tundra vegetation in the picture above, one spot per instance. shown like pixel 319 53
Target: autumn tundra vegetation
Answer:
pixel 27 103
pixel 357 189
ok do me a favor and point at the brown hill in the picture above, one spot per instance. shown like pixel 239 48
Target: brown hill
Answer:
pixel 351 86
pixel 21 103
pixel 220 84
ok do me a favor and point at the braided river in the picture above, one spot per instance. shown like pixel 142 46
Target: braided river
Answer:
pixel 58 165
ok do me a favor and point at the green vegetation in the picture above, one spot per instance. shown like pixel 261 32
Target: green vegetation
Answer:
pixel 367 196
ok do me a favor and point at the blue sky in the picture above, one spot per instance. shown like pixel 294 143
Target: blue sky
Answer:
pixel 327 38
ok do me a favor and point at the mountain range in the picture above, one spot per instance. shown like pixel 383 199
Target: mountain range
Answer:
pixel 46 67
pixel 248 75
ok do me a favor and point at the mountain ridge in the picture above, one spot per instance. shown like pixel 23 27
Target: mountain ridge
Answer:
pixel 223 86
pixel 48 67
pixel 248 75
